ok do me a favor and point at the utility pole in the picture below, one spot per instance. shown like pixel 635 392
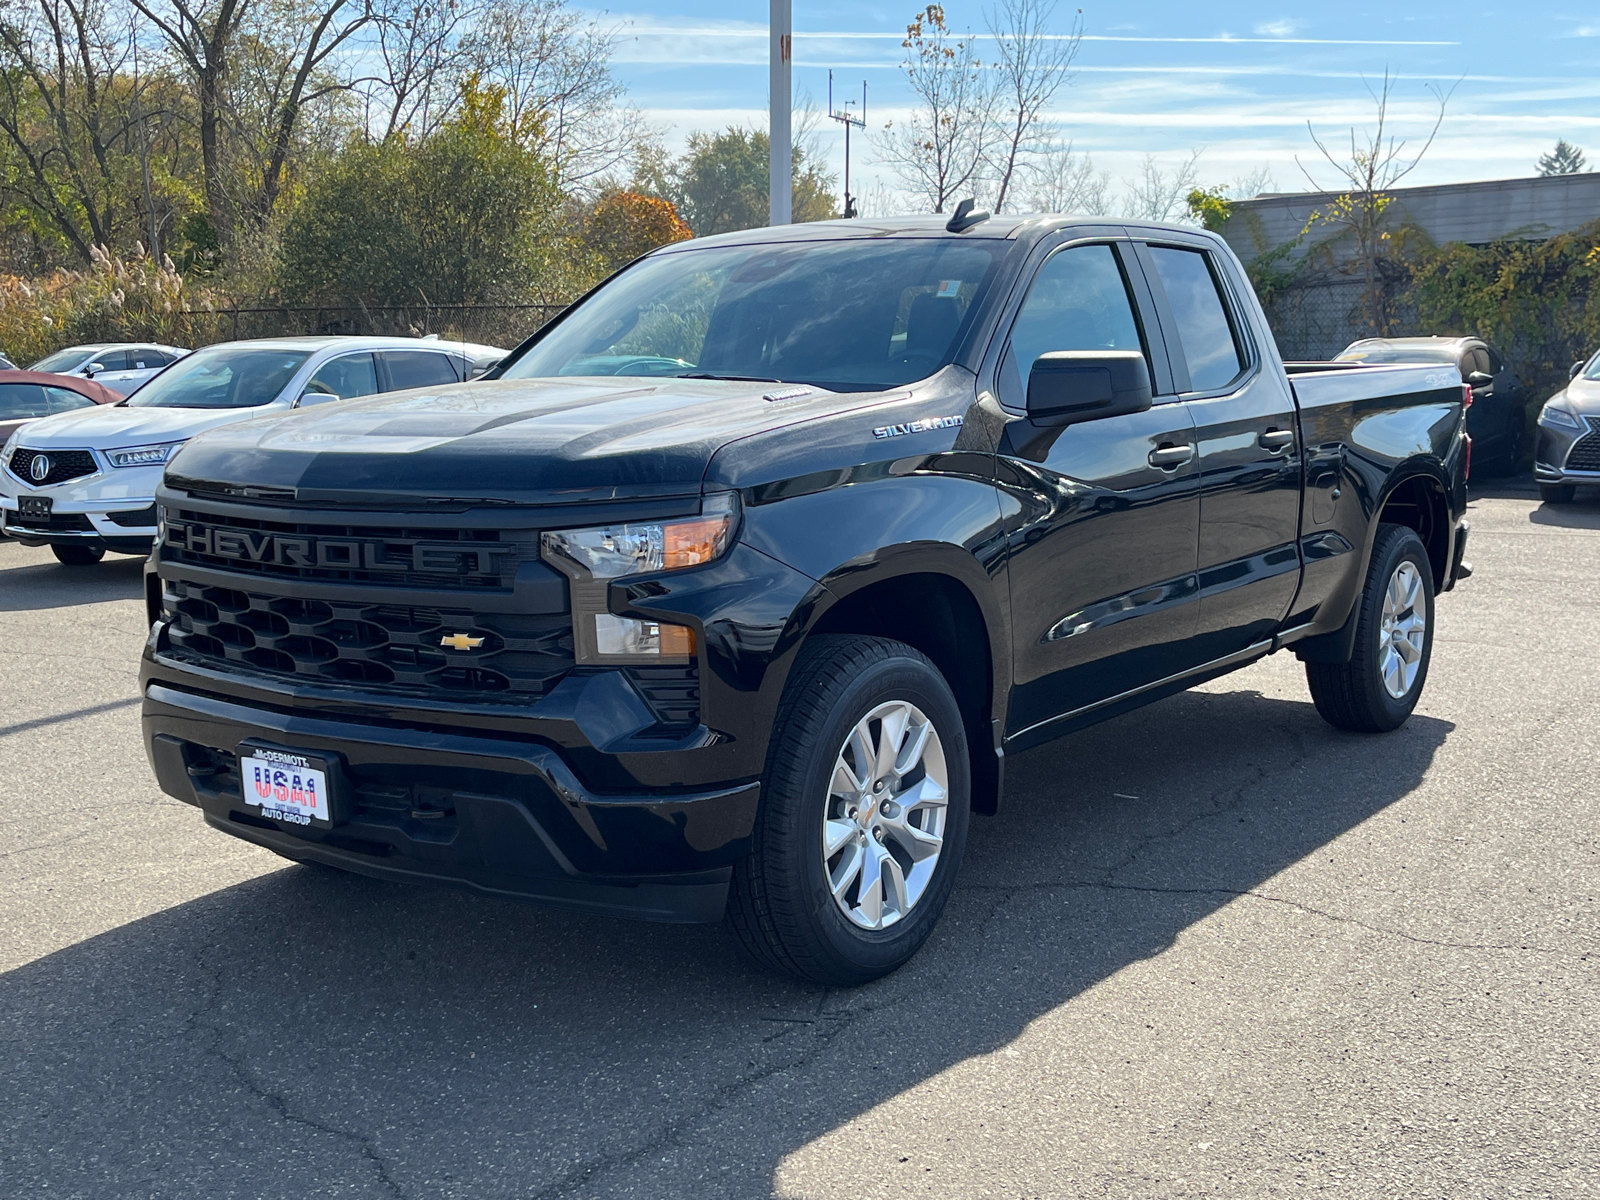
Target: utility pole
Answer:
pixel 847 118
pixel 780 164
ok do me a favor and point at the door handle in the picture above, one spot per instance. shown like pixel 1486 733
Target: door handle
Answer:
pixel 1168 457
pixel 1276 439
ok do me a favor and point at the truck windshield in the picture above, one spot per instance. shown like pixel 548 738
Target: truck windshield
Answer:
pixel 234 376
pixel 849 315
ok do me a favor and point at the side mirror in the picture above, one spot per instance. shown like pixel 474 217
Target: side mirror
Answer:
pixel 1068 386
pixel 307 399
pixel 1480 379
pixel 1577 368
pixel 90 371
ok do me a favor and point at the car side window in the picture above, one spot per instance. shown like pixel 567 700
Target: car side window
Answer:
pixel 112 360
pixel 419 368
pixel 1204 330
pixel 348 376
pixel 61 400
pixel 1079 300
pixel 21 401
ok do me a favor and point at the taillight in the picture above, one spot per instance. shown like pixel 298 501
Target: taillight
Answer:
pixel 1466 397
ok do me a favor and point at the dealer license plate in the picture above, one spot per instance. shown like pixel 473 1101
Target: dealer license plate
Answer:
pixel 35 506
pixel 284 786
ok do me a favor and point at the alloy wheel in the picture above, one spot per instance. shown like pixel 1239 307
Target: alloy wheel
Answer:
pixel 883 824
pixel 1403 634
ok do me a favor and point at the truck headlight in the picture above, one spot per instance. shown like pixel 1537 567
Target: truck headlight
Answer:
pixel 143 456
pixel 612 551
pixel 591 558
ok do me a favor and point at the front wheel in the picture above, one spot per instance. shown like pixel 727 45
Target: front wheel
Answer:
pixel 78 556
pixel 1377 689
pixel 863 818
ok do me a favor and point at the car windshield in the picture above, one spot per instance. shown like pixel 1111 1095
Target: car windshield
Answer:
pixel 1592 371
pixel 846 315
pixel 64 360
pixel 1399 354
pixel 222 377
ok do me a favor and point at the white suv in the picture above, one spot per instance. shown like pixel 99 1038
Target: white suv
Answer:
pixel 120 366
pixel 85 482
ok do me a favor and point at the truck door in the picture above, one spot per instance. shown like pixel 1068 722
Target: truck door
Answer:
pixel 1101 517
pixel 1249 460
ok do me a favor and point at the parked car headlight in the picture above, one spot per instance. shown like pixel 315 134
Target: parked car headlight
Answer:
pixel 143 456
pixel 592 558
pixel 612 551
pixel 11 444
pixel 1558 417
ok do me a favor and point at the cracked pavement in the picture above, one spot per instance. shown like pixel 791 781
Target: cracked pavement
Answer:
pixel 1211 948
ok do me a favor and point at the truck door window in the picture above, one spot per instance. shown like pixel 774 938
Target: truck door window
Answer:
pixel 1079 301
pixel 346 377
pixel 1197 306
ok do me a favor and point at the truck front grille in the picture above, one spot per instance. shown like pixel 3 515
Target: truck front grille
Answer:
pixel 384 555
pixel 392 647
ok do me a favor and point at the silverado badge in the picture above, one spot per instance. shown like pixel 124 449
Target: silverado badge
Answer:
pixel 922 426
pixel 461 641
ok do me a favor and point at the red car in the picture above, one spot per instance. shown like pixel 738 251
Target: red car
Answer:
pixel 28 395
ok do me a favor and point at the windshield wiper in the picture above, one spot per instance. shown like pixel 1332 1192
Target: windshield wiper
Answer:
pixel 730 378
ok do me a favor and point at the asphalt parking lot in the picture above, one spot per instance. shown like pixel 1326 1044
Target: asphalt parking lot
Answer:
pixel 1212 948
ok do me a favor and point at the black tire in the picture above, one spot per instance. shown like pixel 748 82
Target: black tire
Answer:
pixel 780 904
pixel 1353 695
pixel 1557 493
pixel 78 556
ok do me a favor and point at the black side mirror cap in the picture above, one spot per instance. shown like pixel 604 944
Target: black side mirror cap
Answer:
pixel 1069 386
pixel 1480 378
pixel 1577 367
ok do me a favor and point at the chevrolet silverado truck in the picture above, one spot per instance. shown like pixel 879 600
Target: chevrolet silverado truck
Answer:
pixel 728 594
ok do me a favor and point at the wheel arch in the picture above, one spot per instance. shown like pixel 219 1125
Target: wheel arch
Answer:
pixel 923 602
pixel 1419 499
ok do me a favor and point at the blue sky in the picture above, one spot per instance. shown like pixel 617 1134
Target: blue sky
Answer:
pixel 1165 78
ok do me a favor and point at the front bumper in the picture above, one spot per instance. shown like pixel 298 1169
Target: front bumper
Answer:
pixel 1554 455
pixel 491 814
pixel 113 508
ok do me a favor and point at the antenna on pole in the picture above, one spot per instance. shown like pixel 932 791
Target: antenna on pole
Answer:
pixel 780 163
pixel 848 119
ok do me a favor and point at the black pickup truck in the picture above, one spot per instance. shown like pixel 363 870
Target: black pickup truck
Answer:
pixel 729 592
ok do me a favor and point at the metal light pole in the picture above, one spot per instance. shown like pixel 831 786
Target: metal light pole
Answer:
pixel 847 118
pixel 780 164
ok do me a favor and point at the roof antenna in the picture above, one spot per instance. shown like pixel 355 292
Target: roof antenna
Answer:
pixel 965 218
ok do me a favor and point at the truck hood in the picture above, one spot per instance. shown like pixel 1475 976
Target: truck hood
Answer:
pixel 113 426
pixel 533 441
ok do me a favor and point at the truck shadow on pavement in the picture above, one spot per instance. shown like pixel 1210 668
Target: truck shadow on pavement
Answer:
pixel 29 582
pixel 309 1032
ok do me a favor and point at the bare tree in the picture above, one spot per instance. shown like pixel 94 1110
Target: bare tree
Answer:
pixel 1060 180
pixel 1033 65
pixel 940 151
pixel 423 54
pixel 1162 195
pixel 1375 164
pixel 554 64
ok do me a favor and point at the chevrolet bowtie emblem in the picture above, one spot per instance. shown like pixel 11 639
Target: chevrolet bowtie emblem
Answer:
pixel 461 641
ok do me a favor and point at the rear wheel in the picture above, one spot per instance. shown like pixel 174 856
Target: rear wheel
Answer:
pixel 863 818
pixel 78 556
pixel 1557 493
pixel 1378 688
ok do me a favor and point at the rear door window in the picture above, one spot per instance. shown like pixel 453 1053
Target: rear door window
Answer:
pixel 346 377
pixel 61 400
pixel 418 368
pixel 1204 330
pixel 1079 300
pixel 20 401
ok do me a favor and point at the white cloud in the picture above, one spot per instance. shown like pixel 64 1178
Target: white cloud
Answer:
pixel 1277 29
